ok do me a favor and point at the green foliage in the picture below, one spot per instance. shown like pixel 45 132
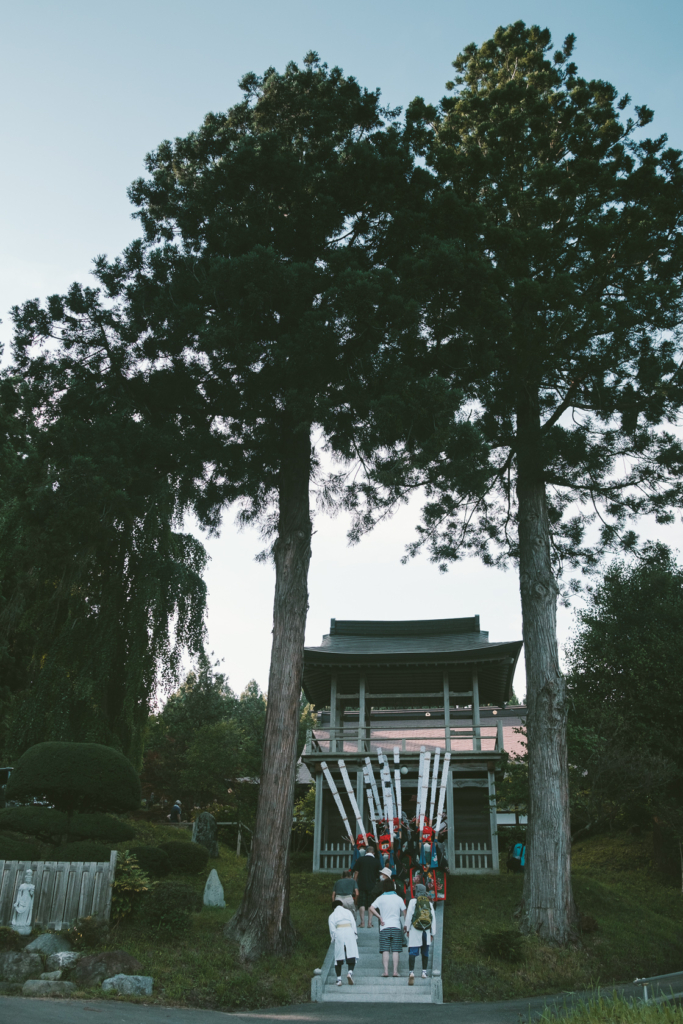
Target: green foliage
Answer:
pixel 76 776
pixel 93 570
pixel 88 933
pixel 49 825
pixel 130 885
pixel 186 858
pixel 568 362
pixel 169 906
pixel 10 941
pixel 625 725
pixel 503 945
pixel 304 819
pixel 18 849
pixel 151 859
pixel 203 740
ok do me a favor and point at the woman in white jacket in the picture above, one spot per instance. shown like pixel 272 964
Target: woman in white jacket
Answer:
pixel 419 939
pixel 343 932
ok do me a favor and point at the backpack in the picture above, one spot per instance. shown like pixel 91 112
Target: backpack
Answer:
pixel 422 915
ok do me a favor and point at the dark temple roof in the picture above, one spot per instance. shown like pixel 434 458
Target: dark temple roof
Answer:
pixel 408 657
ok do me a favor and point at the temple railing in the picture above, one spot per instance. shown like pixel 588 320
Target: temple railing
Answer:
pixel 353 739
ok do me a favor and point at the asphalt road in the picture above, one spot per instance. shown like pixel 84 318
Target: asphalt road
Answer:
pixel 17 1010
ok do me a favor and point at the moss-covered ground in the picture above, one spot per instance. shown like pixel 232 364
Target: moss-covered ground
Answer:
pixel 639 932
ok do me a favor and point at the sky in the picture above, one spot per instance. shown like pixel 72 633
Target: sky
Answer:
pixel 88 88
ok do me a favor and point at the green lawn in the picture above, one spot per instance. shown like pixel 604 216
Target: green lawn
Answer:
pixel 640 932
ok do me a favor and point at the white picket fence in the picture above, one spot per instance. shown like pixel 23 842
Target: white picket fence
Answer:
pixel 65 890
pixel 472 859
pixel 335 857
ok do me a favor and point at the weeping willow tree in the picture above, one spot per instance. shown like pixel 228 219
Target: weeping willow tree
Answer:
pixel 101 590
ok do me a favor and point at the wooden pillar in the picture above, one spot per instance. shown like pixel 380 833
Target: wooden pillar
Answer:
pixel 334 715
pixel 360 794
pixel 318 821
pixel 451 824
pixel 476 720
pixel 494 821
pixel 501 738
pixel 361 718
pixel 447 710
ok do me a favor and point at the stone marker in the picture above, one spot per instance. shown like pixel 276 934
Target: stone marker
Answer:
pixel 49 942
pixel 62 961
pixel 47 988
pixel 17 967
pixel 205 832
pixel 213 891
pixel 92 970
pixel 129 984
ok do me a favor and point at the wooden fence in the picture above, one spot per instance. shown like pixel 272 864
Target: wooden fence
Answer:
pixel 65 890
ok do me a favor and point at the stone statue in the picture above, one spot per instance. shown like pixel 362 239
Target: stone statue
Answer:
pixel 205 833
pixel 213 891
pixel 23 905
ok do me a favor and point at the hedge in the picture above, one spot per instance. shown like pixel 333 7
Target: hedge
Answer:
pixel 46 823
pixel 76 776
pixel 84 851
pixel 151 859
pixel 19 849
pixel 169 905
pixel 186 858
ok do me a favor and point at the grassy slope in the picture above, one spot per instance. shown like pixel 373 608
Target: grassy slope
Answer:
pixel 640 927
pixel 640 932
pixel 200 968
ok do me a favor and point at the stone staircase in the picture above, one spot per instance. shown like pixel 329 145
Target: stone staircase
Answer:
pixel 368 984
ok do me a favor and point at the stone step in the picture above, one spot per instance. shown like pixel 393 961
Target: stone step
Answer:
pixel 377 979
pixel 352 994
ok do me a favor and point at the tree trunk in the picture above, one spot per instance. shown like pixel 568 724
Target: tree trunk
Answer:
pixel 547 903
pixel 262 924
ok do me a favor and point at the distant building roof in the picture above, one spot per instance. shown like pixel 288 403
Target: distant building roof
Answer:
pixel 403 656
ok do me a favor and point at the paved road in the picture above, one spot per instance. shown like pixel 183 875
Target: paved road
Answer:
pixel 15 1010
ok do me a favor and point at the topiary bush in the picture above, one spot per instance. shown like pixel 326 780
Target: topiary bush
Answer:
pixel 19 849
pixel 186 858
pixel 46 823
pixel 170 904
pixel 83 851
pixel 76 777
pixel 504 945
pixel 88 933
pixel 152 860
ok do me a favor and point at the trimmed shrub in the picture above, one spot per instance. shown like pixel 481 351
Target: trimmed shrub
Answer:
pixel 504 945
pixel 45 822
pixel 86 851
pixel 186 858
pixel 169 905
pixel 19 849
pixel 151 859
pixel 76 776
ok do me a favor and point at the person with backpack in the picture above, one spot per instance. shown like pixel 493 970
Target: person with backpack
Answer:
pixel 517 859
pixel 420 914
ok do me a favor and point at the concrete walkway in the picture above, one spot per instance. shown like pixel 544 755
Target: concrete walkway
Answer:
pixel 16 1010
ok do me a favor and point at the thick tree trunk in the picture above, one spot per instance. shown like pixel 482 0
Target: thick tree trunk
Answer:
pixel 547 904
pixel 262 924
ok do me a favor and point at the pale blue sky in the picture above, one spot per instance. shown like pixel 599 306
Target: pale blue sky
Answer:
pixel 87 88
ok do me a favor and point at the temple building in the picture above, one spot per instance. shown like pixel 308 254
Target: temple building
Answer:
pixel 422 684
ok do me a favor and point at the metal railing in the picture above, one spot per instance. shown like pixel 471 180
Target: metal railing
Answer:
pixel 654 983
pixel 348 739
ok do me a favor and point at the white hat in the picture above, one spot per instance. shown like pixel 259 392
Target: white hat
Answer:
pixel 386 872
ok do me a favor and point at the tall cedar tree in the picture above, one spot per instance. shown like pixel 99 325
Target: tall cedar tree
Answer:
pixel 101 591
pixel 253 305
pixel 551 297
